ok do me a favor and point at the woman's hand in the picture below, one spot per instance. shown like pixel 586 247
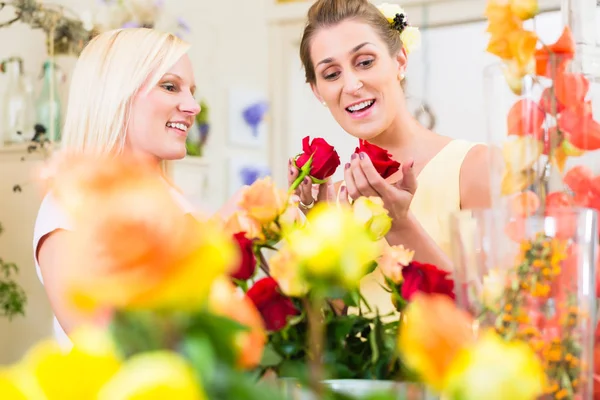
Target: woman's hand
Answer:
pixel 308 192
pixel 362 179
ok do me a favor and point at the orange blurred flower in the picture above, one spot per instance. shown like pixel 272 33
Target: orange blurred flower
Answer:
pixel 132 243
pixel 226 301
pixel 552 60
pixel 526 117
pixel 239 221
pixel 263 201
pixel 393 259
pixel 524 9
pixel 433 331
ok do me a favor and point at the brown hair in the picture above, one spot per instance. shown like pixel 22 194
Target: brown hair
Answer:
pixel 327 13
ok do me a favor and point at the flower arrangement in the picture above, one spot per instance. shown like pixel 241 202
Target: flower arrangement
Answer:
pixel 410 35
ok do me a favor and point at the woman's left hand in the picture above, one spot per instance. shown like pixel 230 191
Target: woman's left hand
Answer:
pixel 362 179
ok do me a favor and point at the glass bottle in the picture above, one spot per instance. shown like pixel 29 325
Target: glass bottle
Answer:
pixel 16 123
pixel 48 107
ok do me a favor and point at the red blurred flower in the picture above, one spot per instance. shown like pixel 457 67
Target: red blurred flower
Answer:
pixel 425 278
pixel 274 307
pixel 247 265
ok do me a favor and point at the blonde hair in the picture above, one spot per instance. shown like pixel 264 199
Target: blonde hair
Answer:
pixel 111 70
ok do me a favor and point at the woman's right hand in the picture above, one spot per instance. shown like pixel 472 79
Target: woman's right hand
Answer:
pixel 309 193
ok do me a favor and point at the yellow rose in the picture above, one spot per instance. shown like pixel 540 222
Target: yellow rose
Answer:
pixel 333 246
pixel 153 376
pixel 393 259
pixel 494 369
pixel 285 269
pixel 371 212
pixel 263 201
pixel 411 38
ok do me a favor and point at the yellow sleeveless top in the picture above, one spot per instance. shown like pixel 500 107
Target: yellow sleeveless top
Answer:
pixel 437 196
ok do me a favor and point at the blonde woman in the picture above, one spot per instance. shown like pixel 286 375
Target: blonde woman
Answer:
pixel 132 91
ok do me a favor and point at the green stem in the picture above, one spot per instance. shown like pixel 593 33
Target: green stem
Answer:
pixel 315 335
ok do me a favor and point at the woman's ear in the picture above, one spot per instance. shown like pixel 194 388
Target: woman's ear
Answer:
pixel 317 94
pixel 402 60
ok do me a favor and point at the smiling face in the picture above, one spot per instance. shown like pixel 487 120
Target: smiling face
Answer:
pixel 357 78
pixel 161 117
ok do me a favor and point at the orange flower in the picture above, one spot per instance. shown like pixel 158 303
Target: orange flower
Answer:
pixel 263 201
pixel 239 221
pixel 552 60
pixel 226 301
pixel 526 117
pixel 393 259
pixel 522 45
pixel 130 236
pixel 524 9
pixel 525 203
pixel 433 331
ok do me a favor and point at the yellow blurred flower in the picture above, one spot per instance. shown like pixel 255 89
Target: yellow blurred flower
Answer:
pixel 522 152
pixel 263 201
pixel 225 300
pixel 67 375
pixel 333 246
pixel 153 376
pixel 515 181
pixel 514 74
pixel 522 44
pixel 433 331
pixel 393 259
pixel 19 383
pixel 494 369
pixel 285 269
pixel 371 212
pixel 524 9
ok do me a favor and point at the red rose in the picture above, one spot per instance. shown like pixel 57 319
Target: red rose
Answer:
pixel 325 159
pixel 274 307
pixel 247 265
pixel 425 278
pixel 381 159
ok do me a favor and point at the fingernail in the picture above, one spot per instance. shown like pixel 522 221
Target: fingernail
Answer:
pixel 306 180
pixel 343 189
pixel 361 155
pixel 292 171
pixel 353 156
pixel 347 166
pixel 412 163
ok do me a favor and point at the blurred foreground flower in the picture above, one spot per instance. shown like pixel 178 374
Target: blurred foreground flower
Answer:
pixel 494 369
pixel 333 246
pixel 153 376
pixel 433 331
pixel 371 212
pixel 133 247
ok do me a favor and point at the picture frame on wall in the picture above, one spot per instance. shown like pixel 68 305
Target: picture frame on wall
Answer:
pixel 248 110
pixel 245 171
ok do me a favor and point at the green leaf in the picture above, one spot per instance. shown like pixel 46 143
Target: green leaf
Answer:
pixel 201 355
pixel 270 357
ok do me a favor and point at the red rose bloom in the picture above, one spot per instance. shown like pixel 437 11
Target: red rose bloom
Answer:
pixel 325 159
pixel 247 264
pixel 381 159
pixel 425 278
pixel 274 307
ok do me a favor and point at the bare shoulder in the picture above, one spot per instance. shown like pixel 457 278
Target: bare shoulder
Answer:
pixel 475 174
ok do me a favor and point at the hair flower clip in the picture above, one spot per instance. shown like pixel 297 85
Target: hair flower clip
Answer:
pixel 410 35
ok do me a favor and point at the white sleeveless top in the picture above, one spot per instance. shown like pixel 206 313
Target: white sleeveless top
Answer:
pixel 51 218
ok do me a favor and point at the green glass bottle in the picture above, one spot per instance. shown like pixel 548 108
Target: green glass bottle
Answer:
pixel 48 107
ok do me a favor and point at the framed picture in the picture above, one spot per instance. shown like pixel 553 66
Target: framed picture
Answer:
pixel 245 171
pixel 247 112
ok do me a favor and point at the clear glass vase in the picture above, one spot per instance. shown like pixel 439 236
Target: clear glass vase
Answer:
pixel 532 278
pixel 545 134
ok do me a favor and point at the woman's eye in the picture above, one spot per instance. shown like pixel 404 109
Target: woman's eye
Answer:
pixel 366 63
pixel 331 76
pixel 169 86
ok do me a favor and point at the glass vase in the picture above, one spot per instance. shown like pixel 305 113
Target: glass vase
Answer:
pixel 545 135
pixel 532 278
